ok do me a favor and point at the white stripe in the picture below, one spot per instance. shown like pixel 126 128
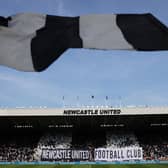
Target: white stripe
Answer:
pixel 102 32
pixel 15 41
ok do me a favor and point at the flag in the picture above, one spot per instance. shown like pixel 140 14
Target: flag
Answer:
pixel 32 42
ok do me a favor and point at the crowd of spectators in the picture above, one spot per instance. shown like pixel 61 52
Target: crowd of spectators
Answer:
pixel 17 148
pixel 121 140
pixel 55 140
pixel 155 147
pixel 155 152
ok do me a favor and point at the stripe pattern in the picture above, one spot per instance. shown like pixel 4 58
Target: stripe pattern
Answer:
pixel 32 42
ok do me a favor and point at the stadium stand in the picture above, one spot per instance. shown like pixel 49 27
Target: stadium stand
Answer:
pixel 29 138
pixel 25 147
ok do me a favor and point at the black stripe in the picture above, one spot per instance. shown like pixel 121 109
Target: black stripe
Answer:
pixel 59 34
pixel 143 31
pixel 4 21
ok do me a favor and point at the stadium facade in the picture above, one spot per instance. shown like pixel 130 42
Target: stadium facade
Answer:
pixel 84 117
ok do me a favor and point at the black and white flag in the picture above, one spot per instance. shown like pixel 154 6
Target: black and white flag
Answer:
pixel 31 42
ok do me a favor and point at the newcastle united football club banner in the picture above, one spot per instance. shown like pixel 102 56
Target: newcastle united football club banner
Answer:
pixel 99 154
pixel 118 154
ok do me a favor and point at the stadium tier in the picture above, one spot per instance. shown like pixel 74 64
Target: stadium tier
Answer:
pixel 84 134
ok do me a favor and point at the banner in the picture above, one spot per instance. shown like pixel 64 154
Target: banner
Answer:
pixel 65 155
pixel 99 154
pixel 118 154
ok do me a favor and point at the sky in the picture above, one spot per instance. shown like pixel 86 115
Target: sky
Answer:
pixel 127 78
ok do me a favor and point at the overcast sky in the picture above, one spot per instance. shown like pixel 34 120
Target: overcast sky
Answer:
pixel 126 77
